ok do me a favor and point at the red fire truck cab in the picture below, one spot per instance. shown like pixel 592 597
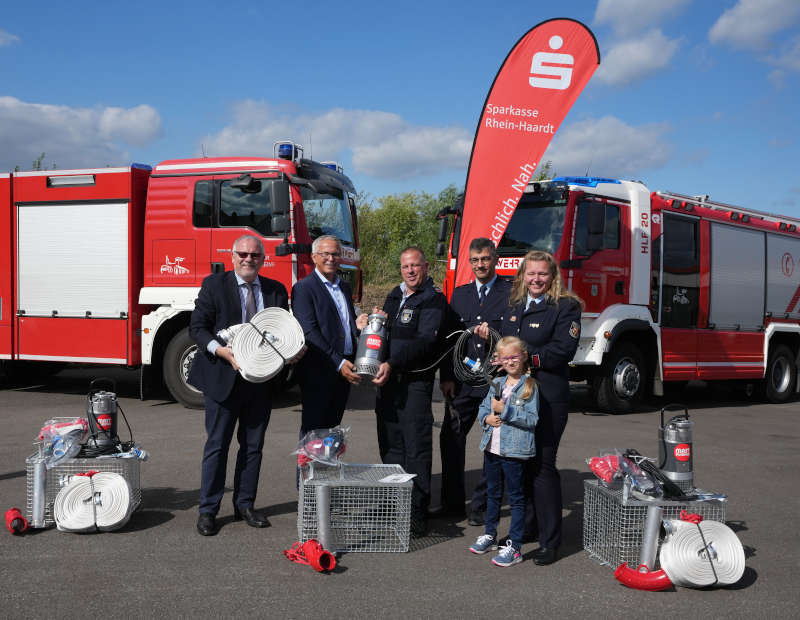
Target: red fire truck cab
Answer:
pixel 676 287
pixel 105 264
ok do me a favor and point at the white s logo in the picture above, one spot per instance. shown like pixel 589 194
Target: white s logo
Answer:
pixel 562 76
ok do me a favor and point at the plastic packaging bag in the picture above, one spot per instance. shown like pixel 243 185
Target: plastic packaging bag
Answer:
pixel 323 445
pixel 62 439
pixel 606 468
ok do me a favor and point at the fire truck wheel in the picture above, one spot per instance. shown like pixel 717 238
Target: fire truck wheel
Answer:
pixel 177 362
pixel 620 385
pixel 779 382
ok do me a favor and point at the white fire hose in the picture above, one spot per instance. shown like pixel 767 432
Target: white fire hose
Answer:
pixel 262 346
pixel 695 555
pixel 89 503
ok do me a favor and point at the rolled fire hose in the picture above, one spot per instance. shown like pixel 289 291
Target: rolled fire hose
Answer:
pixel 101 501
pixel 697 553
pixel 262 346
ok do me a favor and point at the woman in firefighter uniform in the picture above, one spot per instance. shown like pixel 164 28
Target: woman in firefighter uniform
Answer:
pixel 547 317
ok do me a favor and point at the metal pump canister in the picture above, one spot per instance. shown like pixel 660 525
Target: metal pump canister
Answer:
pixel 675 448
pixel 101 412
pixel 371 351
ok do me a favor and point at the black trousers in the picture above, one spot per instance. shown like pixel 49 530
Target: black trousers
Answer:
pixel 543 489
pixel 459 417
pixel 405 434
pixel 248 406
pixel 323 395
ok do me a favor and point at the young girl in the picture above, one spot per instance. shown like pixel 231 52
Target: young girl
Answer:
pixel 507 442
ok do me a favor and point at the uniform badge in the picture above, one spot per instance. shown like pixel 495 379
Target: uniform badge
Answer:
pixel 406 315
pixel 574 330
pixel 513 318
pixel 534 325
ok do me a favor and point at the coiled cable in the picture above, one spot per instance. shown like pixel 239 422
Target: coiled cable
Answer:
pixel 473 372
pixel 698 553
pixel 262 346
pixel 101 501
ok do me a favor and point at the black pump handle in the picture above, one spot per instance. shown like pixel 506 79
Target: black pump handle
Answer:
pixel 674 407
pixel 107 380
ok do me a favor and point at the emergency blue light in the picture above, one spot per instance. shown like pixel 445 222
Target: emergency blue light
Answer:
pixel 285 151
pixel 586 181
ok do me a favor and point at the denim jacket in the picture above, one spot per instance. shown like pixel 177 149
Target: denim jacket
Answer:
pixel 519 420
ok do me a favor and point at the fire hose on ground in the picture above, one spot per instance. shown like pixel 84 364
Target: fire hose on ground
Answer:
pixel 264 345
pixel 95 501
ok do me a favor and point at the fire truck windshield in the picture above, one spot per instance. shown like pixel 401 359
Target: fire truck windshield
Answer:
pixel 536 225
pixel 328 214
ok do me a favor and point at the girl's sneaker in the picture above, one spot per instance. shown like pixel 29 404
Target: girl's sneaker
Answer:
pixel 508 556
pixel 483 544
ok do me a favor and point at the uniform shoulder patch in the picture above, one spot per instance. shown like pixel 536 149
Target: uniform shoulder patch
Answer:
pixel 406 314
pixel 574 330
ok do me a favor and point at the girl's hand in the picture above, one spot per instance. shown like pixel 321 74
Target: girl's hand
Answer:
pixel 493 420
pixel 497 406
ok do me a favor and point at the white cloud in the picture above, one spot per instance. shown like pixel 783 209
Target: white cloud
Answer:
pixel 608 147
pixel 635 59
pixel 381 144
pixel 751 23
pixel 72 137
pixel 6 38
pixel 628 17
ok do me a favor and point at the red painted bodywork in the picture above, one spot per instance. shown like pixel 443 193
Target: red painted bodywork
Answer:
pixel 160 228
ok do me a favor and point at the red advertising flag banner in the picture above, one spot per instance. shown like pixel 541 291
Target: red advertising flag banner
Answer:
pixel 535 88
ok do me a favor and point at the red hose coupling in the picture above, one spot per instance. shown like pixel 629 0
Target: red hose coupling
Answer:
pixel 15 522
pixel 642 578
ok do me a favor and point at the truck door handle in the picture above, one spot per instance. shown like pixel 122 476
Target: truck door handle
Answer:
pixel 619 287
pixel 217 267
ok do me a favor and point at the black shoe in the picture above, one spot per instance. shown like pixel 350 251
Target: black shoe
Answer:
pixel 251 516
pixel 206 524
pixel 476 518
pixel 419 527
pixel 544 556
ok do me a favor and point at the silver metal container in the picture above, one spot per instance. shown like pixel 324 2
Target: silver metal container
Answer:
pixel 372 344
pixel 675 449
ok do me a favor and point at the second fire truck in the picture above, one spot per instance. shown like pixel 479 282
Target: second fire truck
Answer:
pixel 676 287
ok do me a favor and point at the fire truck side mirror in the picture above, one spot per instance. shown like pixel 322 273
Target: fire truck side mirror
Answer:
pixel 442 230
pixel 280 224
pixel 279 197
pixel 440 250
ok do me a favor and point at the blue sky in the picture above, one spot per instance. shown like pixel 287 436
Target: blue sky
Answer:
pixel 699 97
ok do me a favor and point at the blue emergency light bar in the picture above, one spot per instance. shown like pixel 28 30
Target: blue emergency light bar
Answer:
pixel 586 181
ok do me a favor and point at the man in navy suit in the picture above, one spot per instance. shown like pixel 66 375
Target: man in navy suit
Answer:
pixel 484 300
pixel 227 299
pixel 323 304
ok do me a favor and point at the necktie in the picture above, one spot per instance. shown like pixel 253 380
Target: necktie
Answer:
pixel 482 293
pixel 249 303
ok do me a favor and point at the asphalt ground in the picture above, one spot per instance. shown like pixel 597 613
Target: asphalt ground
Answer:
pixel 158 566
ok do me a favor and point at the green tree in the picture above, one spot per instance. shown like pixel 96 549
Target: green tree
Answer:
pixel 392 223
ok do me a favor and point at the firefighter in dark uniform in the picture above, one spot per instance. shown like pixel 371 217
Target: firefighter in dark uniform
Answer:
pixel 484 300
pixel 415 311
pixel 548 318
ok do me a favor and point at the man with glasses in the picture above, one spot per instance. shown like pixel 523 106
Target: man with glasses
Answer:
pixel 227 299
pixel 484 300
pixel 323 304
pixel 416 312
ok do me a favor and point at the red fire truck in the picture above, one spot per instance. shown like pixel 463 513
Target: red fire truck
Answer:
pixel 676 287
pixel 102 266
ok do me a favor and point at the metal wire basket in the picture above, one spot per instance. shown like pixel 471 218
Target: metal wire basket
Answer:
pixel 44 484
pixel 354 508
pixel 613 526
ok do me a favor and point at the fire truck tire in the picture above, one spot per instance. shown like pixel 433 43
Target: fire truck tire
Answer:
pixel 177 362
pixel 779 382
pixel 619 387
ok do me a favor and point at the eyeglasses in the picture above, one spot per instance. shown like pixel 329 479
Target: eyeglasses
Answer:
pixel 253 255
pixel 510 358
pixel 481 259
pixel 329 255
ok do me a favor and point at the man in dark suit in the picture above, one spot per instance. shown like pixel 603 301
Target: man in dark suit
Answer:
pixel 323 304
pixel 227 299
pixel 484 300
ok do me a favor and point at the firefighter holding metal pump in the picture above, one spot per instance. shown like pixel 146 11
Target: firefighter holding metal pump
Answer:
pixel 415 313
